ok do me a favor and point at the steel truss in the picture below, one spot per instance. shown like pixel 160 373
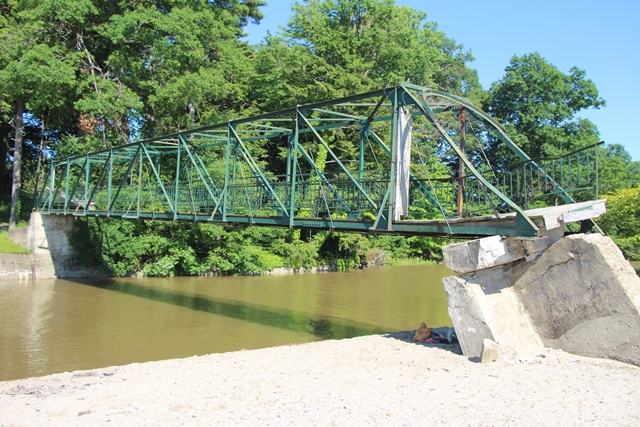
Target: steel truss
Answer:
pixel 327 165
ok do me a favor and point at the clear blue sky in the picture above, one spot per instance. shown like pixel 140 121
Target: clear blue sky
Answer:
pixel 601 38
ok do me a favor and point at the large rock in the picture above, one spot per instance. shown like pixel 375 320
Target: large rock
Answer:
pixel 584 297
pixel 484 305
pixel 580 296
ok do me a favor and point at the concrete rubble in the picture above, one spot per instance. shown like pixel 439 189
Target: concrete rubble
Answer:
pixel 579 295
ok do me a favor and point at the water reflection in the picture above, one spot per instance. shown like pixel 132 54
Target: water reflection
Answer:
pixel 56 326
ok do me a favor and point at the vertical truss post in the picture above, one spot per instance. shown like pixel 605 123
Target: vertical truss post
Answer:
pixel 463 122
pixel 225 203
pixel 394 157
pixel 177 184
pixel 138 210
pixel 109 180
pixel 66 186
pixel 87 179
pixel 293 169
pixel 363 131
pixel 597 181
pixel 52 181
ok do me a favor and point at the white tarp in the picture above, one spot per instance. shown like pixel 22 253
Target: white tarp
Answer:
pixel 403 154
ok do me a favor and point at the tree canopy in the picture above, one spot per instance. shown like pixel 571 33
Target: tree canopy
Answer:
pixel 539 105
pixel 332 48
pixel 81 75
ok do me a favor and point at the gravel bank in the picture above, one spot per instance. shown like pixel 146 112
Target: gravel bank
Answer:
pixel 381 380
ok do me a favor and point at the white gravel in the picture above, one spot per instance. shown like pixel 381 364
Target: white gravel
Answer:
pixel 380 380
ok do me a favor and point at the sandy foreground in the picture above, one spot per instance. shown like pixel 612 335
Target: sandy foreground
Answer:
pixel 380 380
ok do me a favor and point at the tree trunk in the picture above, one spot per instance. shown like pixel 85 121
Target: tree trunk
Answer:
pixel 4 136
pixel 40 154
pixel 17 164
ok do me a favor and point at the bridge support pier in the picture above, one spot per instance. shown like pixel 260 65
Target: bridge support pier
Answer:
pixel 577 294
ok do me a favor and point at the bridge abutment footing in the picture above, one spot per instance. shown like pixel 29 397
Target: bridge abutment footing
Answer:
pixel 51 254
pixel 576 293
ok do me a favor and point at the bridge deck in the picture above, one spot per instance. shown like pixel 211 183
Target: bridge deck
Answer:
pixel 547 218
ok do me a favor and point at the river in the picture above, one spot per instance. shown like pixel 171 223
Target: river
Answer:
pixel 60 325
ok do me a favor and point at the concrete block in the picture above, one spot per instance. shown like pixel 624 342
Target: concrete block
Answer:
pixel 490 351
pixel 51 253
pixel 484 306
pixel 580 295
pixel 583 297
pixel 466 314
pixel 479 254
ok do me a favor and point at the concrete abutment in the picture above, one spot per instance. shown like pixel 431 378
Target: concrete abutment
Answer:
pixel 52 256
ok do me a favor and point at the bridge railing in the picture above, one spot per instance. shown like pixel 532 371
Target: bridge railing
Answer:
pixel 531 180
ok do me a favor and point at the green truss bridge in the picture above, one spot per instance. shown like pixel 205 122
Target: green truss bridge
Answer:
pixel 405 159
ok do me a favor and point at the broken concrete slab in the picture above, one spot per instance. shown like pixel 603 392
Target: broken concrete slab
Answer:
pixel 584 298
pixel 485 306
pixel 580 296
pixel 488 252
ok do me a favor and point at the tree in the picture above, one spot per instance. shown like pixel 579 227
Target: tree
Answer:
pixel 333 48
pixel 37 73
pixel 622 220
pixel 538 105
pixel 617 171
pixel 183 60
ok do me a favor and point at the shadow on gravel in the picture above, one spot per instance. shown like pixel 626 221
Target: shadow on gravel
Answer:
pixel 407 336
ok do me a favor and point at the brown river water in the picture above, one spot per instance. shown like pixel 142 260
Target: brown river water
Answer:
pixel 59 325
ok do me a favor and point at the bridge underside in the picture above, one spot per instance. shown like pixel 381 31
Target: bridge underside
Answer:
pixel 406 160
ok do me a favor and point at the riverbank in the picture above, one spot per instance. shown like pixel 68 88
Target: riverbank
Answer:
pixel 372 380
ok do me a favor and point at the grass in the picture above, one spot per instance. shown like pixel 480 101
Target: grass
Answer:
pixel 8 247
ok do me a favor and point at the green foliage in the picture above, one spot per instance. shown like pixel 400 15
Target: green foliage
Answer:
pixel 158 248
pixel 616 169
pixel 537 104
pixel 346 250
pixel 622 218
pixel 404 248
pixel 332 48
pixel 630 247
